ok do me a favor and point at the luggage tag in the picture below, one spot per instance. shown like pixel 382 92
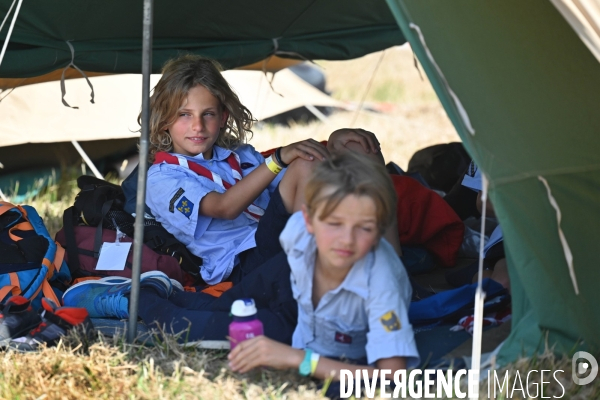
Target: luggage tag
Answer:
pixel 113 256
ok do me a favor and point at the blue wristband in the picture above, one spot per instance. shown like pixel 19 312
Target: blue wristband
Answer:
pixel 305 367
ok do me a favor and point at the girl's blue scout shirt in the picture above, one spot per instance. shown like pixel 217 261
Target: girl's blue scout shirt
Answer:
pixel 173 194
pixel 366 316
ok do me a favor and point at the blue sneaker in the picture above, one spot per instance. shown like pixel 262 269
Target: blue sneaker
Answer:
pixel 115 280
pixel 154 279
pixel 177 287
pixel 158 281
pixel 101 298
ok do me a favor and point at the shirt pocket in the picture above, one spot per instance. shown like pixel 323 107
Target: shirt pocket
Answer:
pixel 344 340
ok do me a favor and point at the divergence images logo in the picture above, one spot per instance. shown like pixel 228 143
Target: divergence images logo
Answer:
pixel 580 367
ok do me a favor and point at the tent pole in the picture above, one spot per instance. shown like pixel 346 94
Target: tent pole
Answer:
pixel 87 160
pixel 315 111
pixel 138 235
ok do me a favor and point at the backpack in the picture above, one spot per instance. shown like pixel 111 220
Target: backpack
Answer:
pixel 94 218
pixel 440 165
pixel 31 263
pixel 86 254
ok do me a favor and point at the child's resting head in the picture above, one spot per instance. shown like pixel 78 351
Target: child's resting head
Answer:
pixel 179 76
pixel 351 174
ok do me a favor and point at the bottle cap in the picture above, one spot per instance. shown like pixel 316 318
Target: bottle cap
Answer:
pixel 243 308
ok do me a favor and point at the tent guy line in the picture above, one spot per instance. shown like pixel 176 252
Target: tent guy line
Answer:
pixel 10 29
pixel 461 110
pixel 7 14
pixel 63 89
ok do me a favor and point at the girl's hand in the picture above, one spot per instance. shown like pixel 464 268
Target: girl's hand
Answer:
pixel 308 150
pixel 338 140
pixel 261 351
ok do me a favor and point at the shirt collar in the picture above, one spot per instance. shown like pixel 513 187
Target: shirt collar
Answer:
pixel 219 154
pixel 357 280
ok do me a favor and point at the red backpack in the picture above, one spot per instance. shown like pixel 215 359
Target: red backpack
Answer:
pixel 87 255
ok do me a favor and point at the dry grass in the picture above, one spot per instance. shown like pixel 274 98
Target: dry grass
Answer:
pixel 111 369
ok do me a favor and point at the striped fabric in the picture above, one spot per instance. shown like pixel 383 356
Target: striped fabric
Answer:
pixel 253 212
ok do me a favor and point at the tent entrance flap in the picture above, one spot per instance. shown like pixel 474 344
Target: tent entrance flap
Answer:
pixel 530 86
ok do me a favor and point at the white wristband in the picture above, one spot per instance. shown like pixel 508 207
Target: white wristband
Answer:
pixel 314 360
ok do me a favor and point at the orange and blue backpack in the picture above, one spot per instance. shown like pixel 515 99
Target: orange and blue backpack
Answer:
pixel 31 263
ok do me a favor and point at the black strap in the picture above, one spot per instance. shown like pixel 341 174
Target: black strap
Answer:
pixel 18 267
pixel 68 226
pixel 158 239
pixel 98 239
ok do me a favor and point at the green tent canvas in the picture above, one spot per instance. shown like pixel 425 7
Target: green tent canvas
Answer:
pixel 523 91
pixel 107 35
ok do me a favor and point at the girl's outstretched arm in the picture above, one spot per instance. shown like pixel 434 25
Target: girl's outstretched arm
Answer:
pixel 264 352
pixel 235 200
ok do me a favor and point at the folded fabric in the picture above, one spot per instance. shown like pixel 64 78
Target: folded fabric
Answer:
pixel 455 304
pixel 491 319
pixel 425 219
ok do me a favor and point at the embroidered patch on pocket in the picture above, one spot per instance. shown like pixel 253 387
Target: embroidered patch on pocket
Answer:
pixel 390 321
pixel 343 338
pixel 185 206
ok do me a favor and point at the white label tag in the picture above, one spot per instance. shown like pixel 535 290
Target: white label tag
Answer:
pixel 113 256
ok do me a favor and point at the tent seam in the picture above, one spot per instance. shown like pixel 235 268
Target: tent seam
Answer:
pixel 552 172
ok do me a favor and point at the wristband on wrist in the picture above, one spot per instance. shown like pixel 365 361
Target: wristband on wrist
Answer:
pixel 305 367
pixel 314 361
pixel 272 165
pixel 278 158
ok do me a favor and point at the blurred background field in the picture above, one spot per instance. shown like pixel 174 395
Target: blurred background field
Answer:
pixel 400 106
pixel 397 103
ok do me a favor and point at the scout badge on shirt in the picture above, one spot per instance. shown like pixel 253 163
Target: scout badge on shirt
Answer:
pixel 343 338
pixel 390 321
pixel 185 206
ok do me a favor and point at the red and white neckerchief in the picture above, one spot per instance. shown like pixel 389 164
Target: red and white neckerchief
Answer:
pixel 253 211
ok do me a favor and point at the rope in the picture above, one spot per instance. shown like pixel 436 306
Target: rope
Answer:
pixel 362 101
pixel 461 110
pixel 7 93
pixel 416 64
pixel 7 14
pixel 10 29
pixel 479 297
pixel 63 89
pixel 277 52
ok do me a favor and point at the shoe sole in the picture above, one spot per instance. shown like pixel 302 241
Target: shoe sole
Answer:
pixel 88 282
pixel 107 280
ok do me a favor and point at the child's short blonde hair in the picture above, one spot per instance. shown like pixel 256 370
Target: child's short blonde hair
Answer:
pixel 351 174
pixel 179 76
